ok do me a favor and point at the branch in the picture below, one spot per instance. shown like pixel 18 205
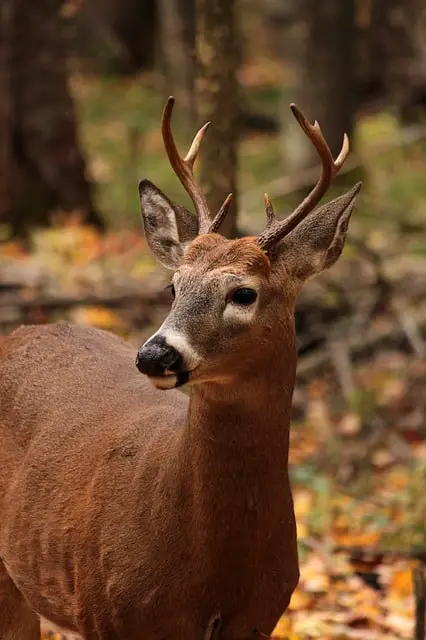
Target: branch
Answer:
pixel 360 346
pixel 419 581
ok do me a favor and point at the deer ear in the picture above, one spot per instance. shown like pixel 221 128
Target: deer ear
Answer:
pixel 168 226
pixel 317 242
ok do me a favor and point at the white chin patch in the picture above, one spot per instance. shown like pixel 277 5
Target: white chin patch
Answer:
pixel 164 382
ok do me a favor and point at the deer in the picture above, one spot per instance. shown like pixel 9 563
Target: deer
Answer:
pixel 127 513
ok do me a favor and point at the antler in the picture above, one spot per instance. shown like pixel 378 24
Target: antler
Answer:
pixel 184 169
pixel 275 229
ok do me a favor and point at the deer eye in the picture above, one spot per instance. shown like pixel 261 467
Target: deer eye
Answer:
pixel 243 296
pixel 170 287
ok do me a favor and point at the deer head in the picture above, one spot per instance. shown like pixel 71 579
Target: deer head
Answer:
pixel 234 299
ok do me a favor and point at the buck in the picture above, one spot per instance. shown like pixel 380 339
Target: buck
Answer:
pixel 127 513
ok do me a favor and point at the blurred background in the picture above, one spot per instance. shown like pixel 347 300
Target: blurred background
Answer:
pixel 82 86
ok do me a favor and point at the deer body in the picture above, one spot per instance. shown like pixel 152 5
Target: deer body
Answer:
pixel 127 513
pixel 119 542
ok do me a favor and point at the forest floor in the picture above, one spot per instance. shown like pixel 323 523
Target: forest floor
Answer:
pixel 358 440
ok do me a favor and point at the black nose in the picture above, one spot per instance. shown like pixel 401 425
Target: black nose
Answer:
pixel 156 357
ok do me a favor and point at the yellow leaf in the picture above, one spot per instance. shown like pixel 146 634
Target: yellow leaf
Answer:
pixel 401 584
pixel 12 250
pixel 398 479
pixel 300 600
pixel 284 630
pixel 357 539
pixel 302 530
pixel 302 502
pixel 98 317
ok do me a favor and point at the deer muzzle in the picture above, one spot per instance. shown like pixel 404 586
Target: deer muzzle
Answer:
pixel 162 363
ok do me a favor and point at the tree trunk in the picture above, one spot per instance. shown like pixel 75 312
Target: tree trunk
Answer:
pixel 6 22
pixel 324 78
pixel 116 36
pixel 217 56
pixel 45 166
pixel 397 58
pixel 177 27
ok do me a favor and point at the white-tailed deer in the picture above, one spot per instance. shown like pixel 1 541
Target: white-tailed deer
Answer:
pixel 127 513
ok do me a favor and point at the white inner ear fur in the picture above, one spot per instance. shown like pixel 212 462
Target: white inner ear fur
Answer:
pixel 161 230
pixel 161 217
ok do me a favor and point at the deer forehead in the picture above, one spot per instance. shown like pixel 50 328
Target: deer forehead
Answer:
pixel 241 257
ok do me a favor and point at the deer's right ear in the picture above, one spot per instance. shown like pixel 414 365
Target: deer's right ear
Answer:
pixel 168 226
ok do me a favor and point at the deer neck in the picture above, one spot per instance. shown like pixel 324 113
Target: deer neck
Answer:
pixel 255 412
pixel 237 435
pixel 235 462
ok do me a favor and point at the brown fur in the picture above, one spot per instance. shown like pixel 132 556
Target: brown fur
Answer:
pixel 241 256
pixel 123 518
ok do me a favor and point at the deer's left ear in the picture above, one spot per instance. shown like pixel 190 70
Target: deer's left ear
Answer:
pixel 168 226
pixel 317 242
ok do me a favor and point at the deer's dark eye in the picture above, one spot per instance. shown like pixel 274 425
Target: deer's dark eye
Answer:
pixel 170 287
pixel 243 296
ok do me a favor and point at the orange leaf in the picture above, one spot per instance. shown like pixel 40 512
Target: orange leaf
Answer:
pixel 401 584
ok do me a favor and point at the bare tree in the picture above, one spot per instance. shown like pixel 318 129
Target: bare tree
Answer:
pixel 116 36
pixel 324 76
pixel 177 27
pixel 42 161
pixel 6 20
pixel 217 54
pixel 394 62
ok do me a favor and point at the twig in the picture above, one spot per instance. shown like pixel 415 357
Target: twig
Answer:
pixel 361 552
pixel 416 553
pixel 387 294
pixel 15 310
pixel 339 353
pixel 410 328
pixel 360 345
pixel 419 581
pixel 52 303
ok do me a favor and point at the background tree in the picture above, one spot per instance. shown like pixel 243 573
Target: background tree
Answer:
pixel 41 160
pixel 392 56
pixel 176 55
pixel 324 76
pixel 115 36
pixel 217 54
pixel 6 18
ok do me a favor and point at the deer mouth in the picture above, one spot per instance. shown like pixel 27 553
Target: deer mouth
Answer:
pixel 170 380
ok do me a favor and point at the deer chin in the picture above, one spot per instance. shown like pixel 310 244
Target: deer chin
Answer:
pixel 170 380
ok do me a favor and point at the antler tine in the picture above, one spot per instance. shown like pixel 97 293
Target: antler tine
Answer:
pixel 183 167
pixel 276 230
pixel 344 152
pixel 192 154
pixel 221 215
pixel 269 210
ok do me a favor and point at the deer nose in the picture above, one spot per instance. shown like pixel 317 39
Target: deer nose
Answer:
pixel 156 357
